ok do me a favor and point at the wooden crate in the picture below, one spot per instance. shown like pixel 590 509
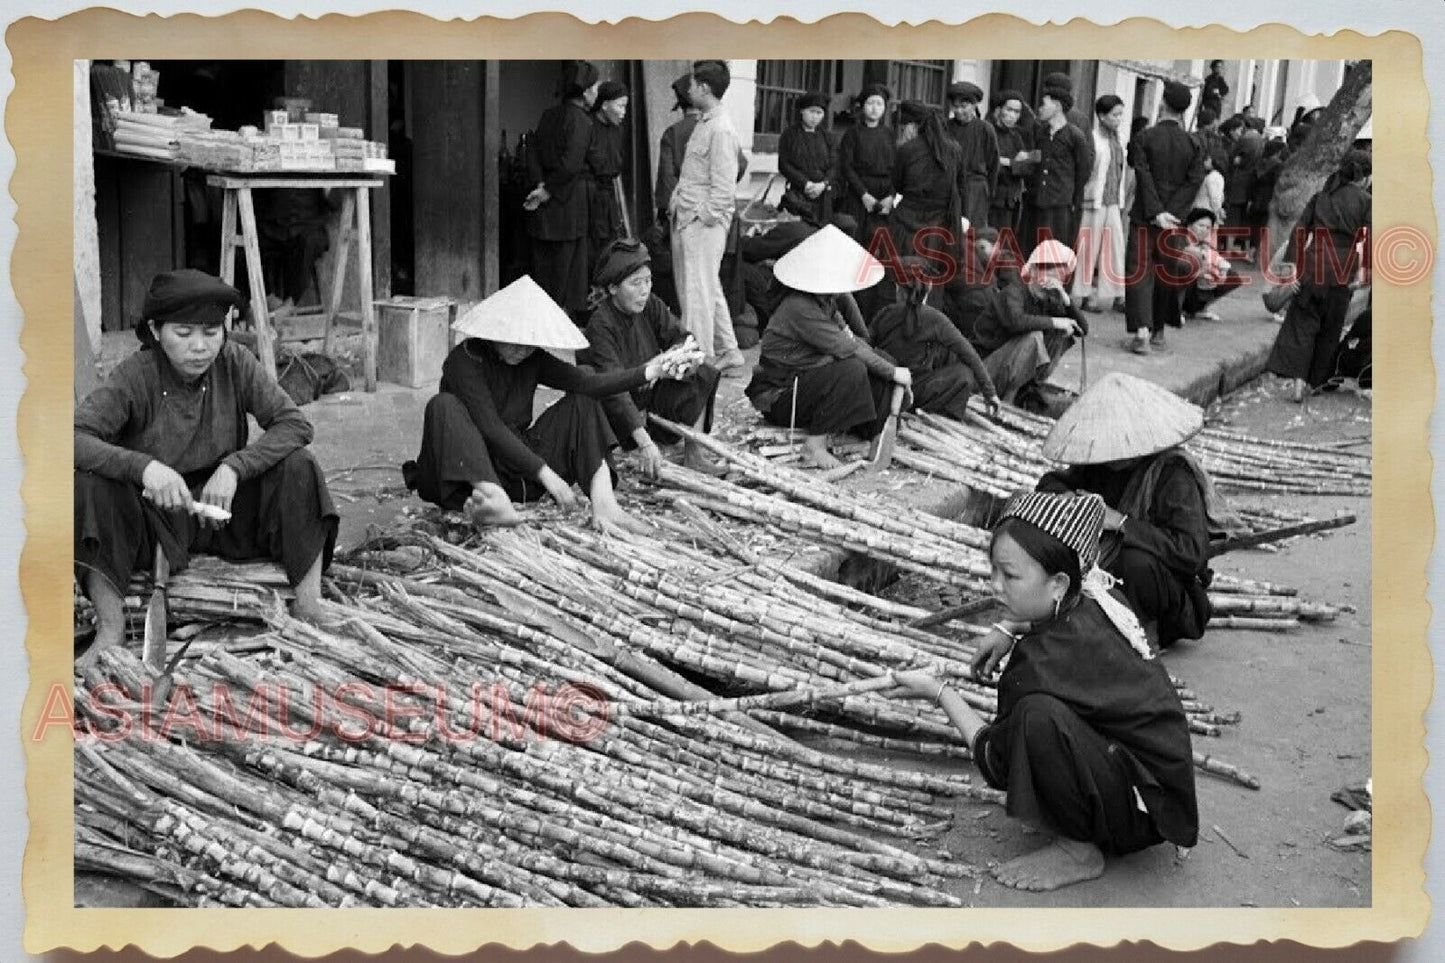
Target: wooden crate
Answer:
pixel 413 337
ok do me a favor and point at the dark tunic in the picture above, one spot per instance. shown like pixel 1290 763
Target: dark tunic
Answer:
pixel 978 168
pixel 810 353
pixel 865 166
pixel 945 367
pixel 1161 555
pixel 1008 193
pixel 669 162
pixel 1056 189
pixel 1168 169
pixel 621 341
pixel 479 426
pixel 930 198
pixel 805 156
pixel 559 227
pixel 1308 342
pixel 145 411
pixel 606 154
pixel 1083 723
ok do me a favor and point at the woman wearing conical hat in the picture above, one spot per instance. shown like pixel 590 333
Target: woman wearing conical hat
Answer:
pixel 1122 441
pixel 1090 741
pixel 480 449
pixel 815 369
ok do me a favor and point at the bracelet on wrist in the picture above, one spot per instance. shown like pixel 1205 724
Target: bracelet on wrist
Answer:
pixel 999 626
pixel 938 697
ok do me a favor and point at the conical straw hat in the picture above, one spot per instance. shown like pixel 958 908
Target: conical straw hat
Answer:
pixel 1121 417
pixel 828 262
pixel 521 313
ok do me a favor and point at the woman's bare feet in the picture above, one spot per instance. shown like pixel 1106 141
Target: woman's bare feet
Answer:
pixel 816 453
pixel 490 506
pixel 1060 863
pixel 694 458
pixel 109 616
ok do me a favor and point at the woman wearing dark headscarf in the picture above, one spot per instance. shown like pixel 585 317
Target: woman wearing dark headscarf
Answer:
pixel 629 327
pixel 945 367
pixel 1015 141
pixel 560 203
pixel 925 173
pixel 162 461
pixel 606 155
pixel 805 160
pixel 1334 222
pixel 865 165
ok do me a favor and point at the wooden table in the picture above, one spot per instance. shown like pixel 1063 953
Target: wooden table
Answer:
pixel 355 217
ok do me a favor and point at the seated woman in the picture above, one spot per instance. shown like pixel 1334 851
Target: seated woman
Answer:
pixel 629 326
pixel 1090 742
pixel 1215 277
pixel 945 367
pixel 480 449
pixel 1121 440
pixel 1020 327
pixel 815 371
pixel 166 434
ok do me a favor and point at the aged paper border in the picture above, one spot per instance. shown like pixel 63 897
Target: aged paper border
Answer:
pixel 38 124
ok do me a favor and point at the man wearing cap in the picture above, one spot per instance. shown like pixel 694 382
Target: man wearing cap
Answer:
pixel 978 167
pixel 560 205
pixel 627 328
pixel 1122 440
pixel 702 208
pixel 815 372
pixel 162 460
pixel 606 154
pixel 805 159
pixel 1021 327
pixel 945 367
pixel 1168 169
pixel 1056 190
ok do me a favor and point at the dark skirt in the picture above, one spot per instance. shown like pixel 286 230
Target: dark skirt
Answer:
pixel 976 202
pixel 1309 340
pixel 1177 607
pixel 560 269
pixel 836 397
pixel 1056 221
pixel 572 437
pixel 1062 774
pixel 681 401
pixel 285 514
pixel 944 390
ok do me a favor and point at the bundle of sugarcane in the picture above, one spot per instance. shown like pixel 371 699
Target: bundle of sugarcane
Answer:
pixel 654 814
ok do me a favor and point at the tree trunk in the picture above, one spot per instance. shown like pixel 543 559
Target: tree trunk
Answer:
pixel 1318 157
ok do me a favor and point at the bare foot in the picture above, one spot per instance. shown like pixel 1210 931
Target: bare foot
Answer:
pixel 105 637
pixel 1060 863
pixel 309 611
pixel 816 453
pixel 694 458
pixel 489 505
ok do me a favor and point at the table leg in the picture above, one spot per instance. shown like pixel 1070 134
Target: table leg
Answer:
pixel 368 309
pixel 338 267
pixel 228 236
pixel 251 241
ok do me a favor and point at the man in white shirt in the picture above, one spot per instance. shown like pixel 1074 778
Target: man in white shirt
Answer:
pixel 702 208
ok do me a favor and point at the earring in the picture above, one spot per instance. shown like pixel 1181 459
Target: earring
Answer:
pixel 1058 600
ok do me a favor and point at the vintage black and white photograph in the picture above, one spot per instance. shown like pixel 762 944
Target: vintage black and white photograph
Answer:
pixel 723 483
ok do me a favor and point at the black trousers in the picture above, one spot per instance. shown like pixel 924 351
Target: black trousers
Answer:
pixel 682 401
pixel 1064 775
pixel 1155 278
pixel 1196 299
pixel 944 390
pixel 835 397
pixel 285 514
pixel 572 437
pixel 1309 340
pixel 1178 607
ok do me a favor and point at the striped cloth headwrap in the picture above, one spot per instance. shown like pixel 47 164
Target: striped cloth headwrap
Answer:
pixel 1078 522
